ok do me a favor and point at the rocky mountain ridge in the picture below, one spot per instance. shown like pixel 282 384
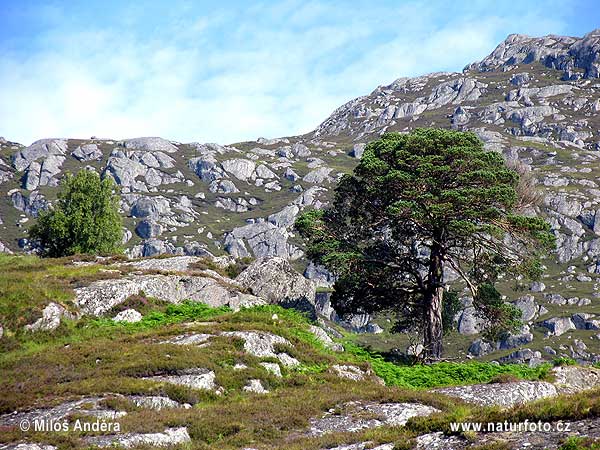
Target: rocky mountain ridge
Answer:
pixel 535 100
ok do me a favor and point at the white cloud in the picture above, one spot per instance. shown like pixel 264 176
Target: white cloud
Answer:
pixel 223 79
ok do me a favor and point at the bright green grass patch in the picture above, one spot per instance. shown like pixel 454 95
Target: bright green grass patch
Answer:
pixel 443 373
pixel 580 443
pixel 178 313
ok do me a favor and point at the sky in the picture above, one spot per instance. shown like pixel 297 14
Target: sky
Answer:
pixel 230 71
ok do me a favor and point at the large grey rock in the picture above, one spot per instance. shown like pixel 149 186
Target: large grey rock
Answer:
pixel 4 248
pixel 150 144
pixel 152 207
pixel 242 169
pixel 147 229
pixel 50 320
pixel 469 323
pixel 286 217
pixel 319 274
pixel 528 307
pixel 523 356
pixel 571 379
pixel 514 340
pixel 358 150
pixel 275 280
pixel 501 394
pixel 100 296
pixel 156 402
pixel 479 347
pixel 197 378
pixel 557 52
pixel 168 438
pixel 41 149
pixel 558 325
pixel 31 205
pixel 88 406
pixel 128 315
pixel 255 386
pixel 87 152
pixel 264 345
pixel 318 176
pixel 172 264
pixel 263 238
pixel 324 338
pixel 360 416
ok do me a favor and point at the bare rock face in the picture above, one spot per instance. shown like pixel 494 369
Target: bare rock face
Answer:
pixel 87 152
pixel 502 394
pixel 560 52
pixel 50 320
pixel 324 338
pixel 353 419
pixel 129 316
pixel 156 402
pixel 100 296
pixel 570 379
pixel 255 386
pixel 558 325
pixel 168 438
pixel 41 162
pixel 150 144
pixel 89 406
pixel 277 282
pixel 197 378
pixel 262 345
pixel 28 446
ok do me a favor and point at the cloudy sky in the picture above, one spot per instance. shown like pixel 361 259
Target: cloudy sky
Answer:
pixel 229 71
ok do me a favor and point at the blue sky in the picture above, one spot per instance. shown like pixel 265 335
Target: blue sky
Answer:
pixel 228 71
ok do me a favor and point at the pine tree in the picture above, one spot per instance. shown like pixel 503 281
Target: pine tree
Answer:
pixel 417 205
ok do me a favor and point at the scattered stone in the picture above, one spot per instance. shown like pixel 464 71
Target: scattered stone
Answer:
pixel 197 378
pixel 129 316
pixel 51 317
pixel 324 338
pixel 255 386
pixel 156 402
pixel 272 368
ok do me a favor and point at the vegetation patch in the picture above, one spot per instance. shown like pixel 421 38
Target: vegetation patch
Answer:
pixel 421 376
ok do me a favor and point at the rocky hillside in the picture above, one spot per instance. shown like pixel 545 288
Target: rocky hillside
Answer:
pixel 174 352
pixel 536 100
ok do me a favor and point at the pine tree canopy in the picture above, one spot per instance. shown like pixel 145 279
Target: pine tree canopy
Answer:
pixel 417 205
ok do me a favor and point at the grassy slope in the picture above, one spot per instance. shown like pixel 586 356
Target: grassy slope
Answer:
pixel 97 356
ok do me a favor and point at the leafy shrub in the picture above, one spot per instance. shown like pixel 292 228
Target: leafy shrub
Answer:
pixel 563 361
pixel 85 219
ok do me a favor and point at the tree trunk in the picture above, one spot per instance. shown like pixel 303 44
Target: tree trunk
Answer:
pixel 433 331
pixel 432 307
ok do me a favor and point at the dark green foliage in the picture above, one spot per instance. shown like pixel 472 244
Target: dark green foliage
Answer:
pixel 418 204
pixel 498 316
pixel 85 219
pixel 563 361
pixel 450 307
